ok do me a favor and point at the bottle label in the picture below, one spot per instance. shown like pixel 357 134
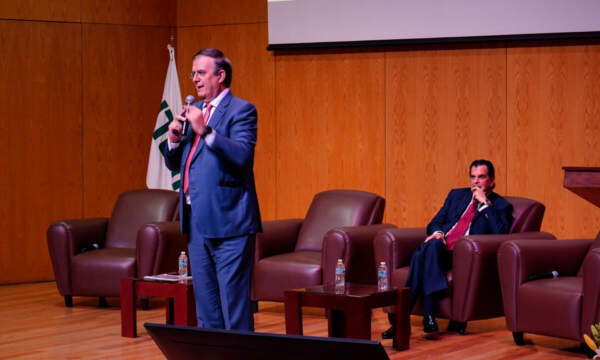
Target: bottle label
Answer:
pixel 339 271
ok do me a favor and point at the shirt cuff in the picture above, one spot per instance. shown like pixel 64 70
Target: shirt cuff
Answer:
pixel 172 145
pixel 209 139
pixel 482 207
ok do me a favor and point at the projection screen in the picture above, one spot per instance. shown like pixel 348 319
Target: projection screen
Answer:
pixel 323 23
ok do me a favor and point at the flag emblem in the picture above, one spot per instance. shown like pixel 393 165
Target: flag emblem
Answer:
pixel 158 176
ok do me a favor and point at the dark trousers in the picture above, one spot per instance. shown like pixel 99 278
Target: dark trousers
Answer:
pixel 426 273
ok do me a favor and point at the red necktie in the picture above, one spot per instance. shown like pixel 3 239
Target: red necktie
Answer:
pixel 186 176
pixel 461 226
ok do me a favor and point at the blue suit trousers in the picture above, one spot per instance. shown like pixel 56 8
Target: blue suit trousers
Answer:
pixel 221 271
pixel 426 273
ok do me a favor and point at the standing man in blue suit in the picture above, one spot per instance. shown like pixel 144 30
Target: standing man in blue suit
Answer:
pixel 474 210
pixel 218 203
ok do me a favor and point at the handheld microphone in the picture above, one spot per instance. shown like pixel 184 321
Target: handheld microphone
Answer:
pixel 189 100
pixel 547 275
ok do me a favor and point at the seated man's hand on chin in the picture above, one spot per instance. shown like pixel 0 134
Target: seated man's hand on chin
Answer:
pixel 479 195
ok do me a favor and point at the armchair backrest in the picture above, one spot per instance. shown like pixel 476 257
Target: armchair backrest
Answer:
pixel 594 245
pixel 527 214
pixel 334 208
pixel 136 208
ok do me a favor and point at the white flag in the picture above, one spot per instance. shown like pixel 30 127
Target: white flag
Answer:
pixel 158 176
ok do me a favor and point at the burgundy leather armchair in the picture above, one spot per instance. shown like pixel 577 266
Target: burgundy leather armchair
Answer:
pixel 473 285
pixel 562 307
pixel 292 254
pixel 140 238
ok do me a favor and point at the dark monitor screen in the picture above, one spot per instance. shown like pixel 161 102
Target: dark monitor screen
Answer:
pixel 184 342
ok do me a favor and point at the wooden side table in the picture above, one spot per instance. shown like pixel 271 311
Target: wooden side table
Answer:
pixel 180 305
pixel 349 312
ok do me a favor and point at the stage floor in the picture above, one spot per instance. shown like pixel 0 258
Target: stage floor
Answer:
pixel 37 325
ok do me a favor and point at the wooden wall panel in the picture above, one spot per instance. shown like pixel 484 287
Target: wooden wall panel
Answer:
pixel 553 121
pixel 372 120
pixel 47 10
pixel 40 132
pixel 253 80
pixel 124 68
pixel 132 12
pixel 444 108
pixel 194 13
pixel 330 126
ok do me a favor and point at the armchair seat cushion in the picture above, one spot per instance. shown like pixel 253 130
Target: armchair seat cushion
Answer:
pixel 287 271
pixel 98 272
pixel 561 297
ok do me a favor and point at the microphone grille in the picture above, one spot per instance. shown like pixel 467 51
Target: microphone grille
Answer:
pixel 189 99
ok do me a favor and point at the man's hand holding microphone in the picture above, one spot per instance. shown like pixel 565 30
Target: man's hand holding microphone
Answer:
pixel 177 129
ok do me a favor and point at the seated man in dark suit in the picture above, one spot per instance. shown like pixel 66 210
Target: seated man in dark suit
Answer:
pixel 474 210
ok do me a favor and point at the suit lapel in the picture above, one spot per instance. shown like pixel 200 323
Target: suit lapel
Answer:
pixel 464 202
pixel 215 120
pixel 186 151
pixel 478 214
pixel 219 113
pixel 475 217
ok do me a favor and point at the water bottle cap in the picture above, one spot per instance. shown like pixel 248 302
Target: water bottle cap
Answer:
pixel 382 263
pixel 183 253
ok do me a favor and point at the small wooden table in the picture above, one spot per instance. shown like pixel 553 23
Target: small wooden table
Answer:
pixel 349 312
pixel 180 306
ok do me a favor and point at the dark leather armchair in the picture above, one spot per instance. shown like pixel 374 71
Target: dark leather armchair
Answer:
pixel 562 307
pixel 291 253
pixel 473 285
pixel 139 239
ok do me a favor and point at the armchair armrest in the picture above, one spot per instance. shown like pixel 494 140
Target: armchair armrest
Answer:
pixel 158 246
pixel 65 239
pixel 487 246
pixel 591 290
pixel 533 257
pixel 396 245
pixel 476 285
pixel 353 244
pixel 278 237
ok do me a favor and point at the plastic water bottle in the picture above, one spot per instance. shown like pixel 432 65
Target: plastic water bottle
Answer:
pixel 382 277
pixel 183 267
pixel 340 276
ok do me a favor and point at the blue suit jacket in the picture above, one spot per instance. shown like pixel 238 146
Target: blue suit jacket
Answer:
pixel 495 219
pixel 221 187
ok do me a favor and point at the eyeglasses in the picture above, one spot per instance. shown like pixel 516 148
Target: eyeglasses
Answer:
pixel 193 74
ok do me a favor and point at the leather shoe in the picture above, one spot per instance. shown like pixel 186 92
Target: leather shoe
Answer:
pixel 458 326
pixel 389 333
pixel 429 324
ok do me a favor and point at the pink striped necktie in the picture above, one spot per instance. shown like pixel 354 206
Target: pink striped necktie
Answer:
pixel 186 182
pixel 461 226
